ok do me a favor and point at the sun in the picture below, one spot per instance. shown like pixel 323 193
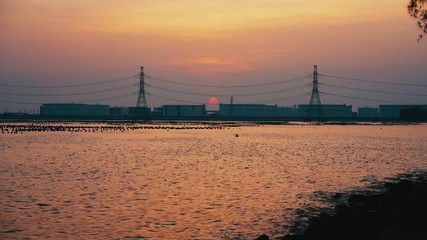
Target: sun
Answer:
pixel 213 101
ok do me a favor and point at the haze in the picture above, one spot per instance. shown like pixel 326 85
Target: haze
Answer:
pixel 51 42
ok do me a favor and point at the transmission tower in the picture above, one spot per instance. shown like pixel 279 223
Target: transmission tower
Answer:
pixel 142 101
pixel 315 98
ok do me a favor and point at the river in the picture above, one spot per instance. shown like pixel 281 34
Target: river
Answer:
pixel 226 183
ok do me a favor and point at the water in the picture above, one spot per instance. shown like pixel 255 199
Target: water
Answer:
pixel 189 184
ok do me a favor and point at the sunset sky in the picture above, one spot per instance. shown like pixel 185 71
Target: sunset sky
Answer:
pixel 233 42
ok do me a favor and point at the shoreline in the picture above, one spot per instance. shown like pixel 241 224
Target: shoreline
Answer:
pixel 393 209
pixel 261 120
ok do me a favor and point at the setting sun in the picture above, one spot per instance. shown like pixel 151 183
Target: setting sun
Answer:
pixel 213 101
pixel 226 119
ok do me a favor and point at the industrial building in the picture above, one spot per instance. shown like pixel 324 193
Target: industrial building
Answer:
pixel 183 111
pixel 73 109
pixel 236 111
pixel 247 110
pixel 368 112
pixel 139 112
pixel 323 111
pixel 119 111
pixel 393 111
pixel 287 112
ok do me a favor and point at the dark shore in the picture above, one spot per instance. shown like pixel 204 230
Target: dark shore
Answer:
pixel 396 212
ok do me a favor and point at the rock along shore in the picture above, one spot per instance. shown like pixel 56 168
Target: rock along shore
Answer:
pixel 399 212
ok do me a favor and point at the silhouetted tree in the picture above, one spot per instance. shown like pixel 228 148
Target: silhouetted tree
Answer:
pixel 418 10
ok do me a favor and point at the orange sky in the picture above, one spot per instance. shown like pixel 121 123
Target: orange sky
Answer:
pixel 207 42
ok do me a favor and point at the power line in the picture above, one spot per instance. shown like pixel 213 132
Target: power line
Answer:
pixel 370 90
pixel 366 99
pixel 68 94
pixel 110 98
pixel 373 81
pixel 228 95
pixel 228 86
pixel 172 99
pixel 208 86
pixel 91 100
pixel 66 86
pixel 26 103
pixel 284 98
pixel 185 101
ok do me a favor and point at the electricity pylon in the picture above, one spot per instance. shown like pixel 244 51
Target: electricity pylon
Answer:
pixel 142 101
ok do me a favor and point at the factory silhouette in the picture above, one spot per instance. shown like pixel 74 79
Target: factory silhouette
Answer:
pixel 303 112
pixel 313 111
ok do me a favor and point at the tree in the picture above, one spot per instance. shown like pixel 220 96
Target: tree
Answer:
pixel 418 10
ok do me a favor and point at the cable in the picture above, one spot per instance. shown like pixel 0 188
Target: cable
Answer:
pixel 26 103
pixel 228 86
pixel 371 81
pixel 366 99
pixel 369 90
pixel 92 100
pixel 110 98
pixel 72 85
pixel 172 99
pixel 284 98
pixel 227 95
pixel 69 94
